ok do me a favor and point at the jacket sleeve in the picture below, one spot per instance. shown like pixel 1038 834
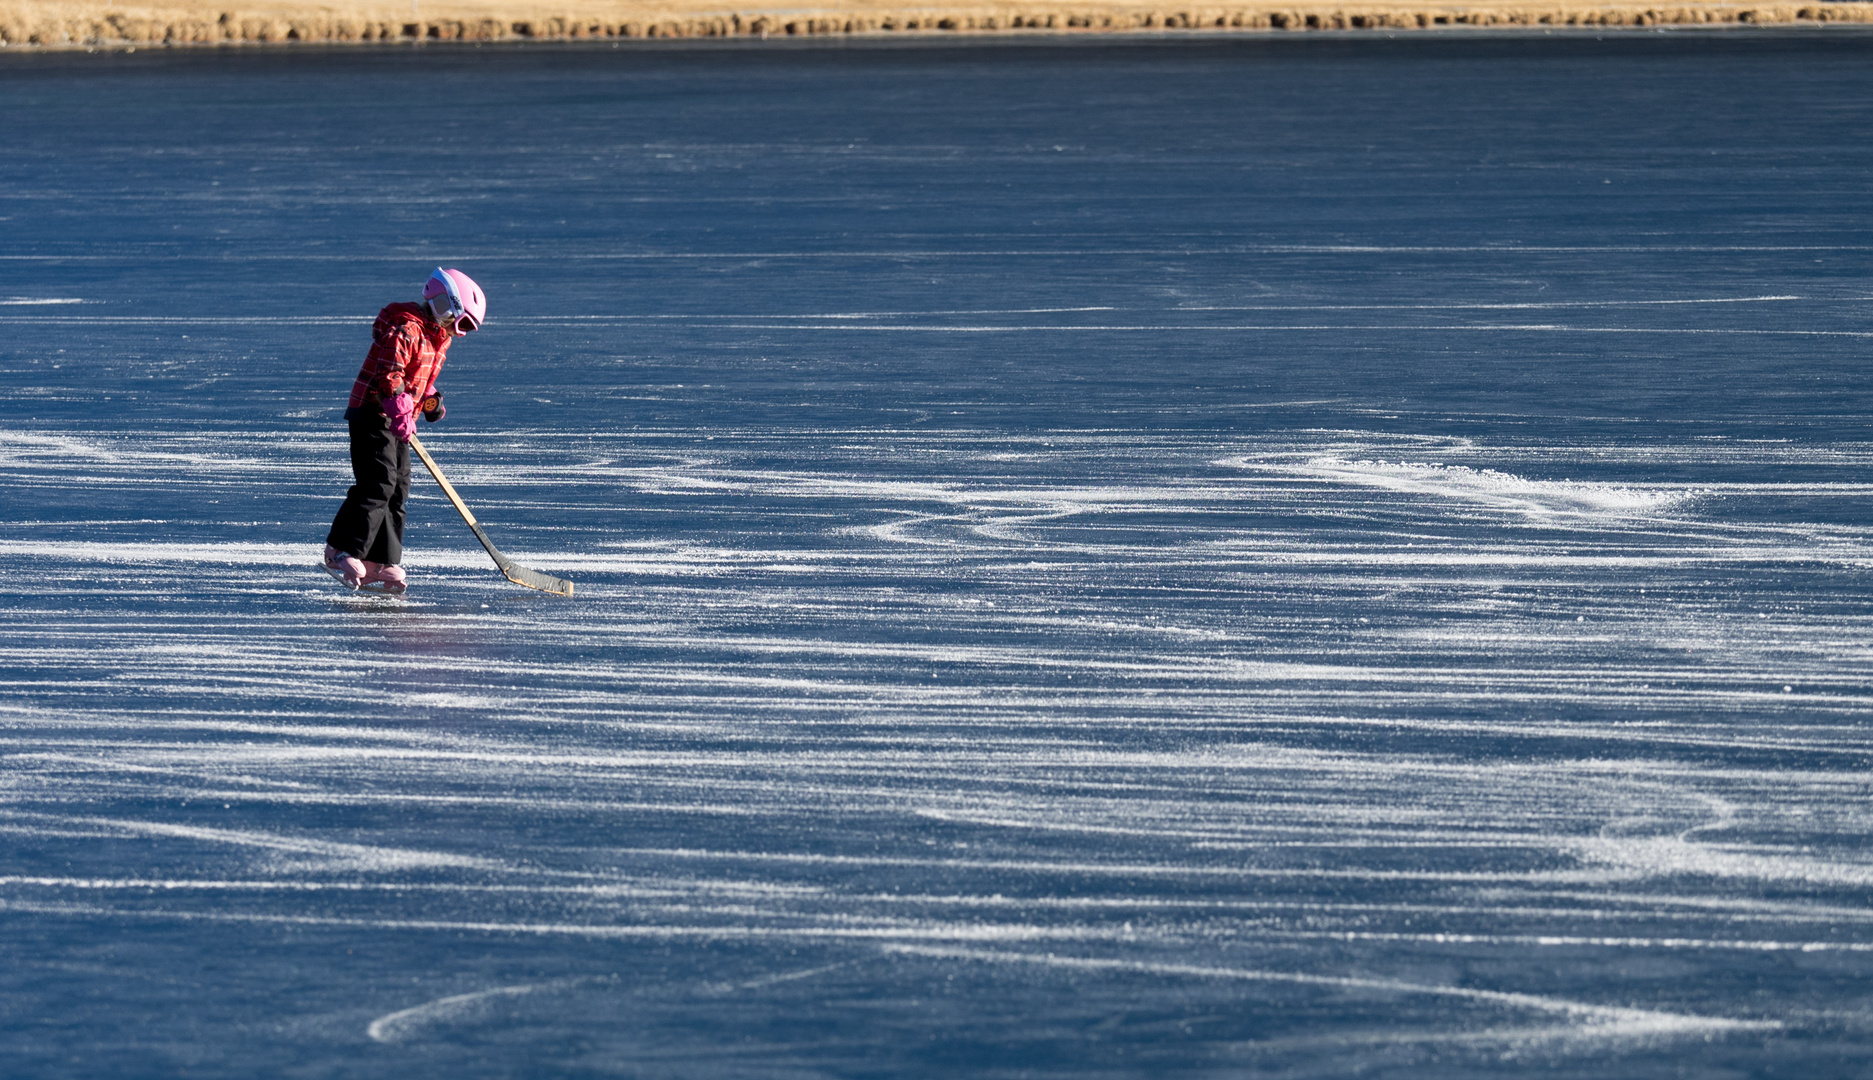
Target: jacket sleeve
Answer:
pixel 394 356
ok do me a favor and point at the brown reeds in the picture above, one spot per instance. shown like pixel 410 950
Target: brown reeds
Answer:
pixel 108 24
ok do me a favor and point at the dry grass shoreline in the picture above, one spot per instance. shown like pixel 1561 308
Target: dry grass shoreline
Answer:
pixel 105 23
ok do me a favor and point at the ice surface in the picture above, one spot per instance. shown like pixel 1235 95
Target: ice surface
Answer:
pixel 1292 558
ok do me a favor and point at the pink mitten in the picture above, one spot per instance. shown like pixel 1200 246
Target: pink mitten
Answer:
pixel 400 410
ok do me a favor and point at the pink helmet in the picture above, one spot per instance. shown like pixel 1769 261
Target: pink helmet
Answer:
pixel 467 305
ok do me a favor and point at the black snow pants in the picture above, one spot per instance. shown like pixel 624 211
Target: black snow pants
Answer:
pixel 369 525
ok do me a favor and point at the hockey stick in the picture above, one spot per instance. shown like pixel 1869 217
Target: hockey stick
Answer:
pixel 510 569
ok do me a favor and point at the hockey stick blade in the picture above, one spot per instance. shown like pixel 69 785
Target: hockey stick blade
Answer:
pixel 510 569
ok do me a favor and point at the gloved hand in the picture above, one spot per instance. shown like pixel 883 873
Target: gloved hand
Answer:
pixel 400 410
pixel 432 407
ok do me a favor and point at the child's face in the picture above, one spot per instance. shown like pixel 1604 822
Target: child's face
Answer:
pixel 439 310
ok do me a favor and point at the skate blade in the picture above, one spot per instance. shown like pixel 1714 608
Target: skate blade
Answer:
pixel 338 577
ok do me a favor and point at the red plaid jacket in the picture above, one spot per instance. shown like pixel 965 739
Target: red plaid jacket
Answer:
pixel 407 350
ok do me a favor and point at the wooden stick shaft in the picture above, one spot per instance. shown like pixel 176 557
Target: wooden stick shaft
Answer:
pixel 448 489
pixel 510 569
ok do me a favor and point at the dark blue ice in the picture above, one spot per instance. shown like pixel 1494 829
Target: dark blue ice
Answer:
pixel 1247 557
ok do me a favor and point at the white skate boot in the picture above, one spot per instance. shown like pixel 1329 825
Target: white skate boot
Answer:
pixel 344 567
pixel 383 577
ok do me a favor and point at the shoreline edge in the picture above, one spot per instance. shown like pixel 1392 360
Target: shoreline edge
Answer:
pixel 64 25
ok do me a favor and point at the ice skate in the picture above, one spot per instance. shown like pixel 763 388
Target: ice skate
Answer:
pixel 344 567
pixel 384 578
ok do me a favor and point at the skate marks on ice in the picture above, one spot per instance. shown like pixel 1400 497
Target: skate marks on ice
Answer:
pixel 1180 886
pixel 1335 730
pixel 415 1021
pixel 1487 487
pixel 433 1018
pixel 1589 1023
pixel 1508 1021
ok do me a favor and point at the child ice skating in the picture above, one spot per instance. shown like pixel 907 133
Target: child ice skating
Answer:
pixel 409 343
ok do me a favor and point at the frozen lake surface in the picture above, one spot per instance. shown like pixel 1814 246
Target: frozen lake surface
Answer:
pixel 1305 558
